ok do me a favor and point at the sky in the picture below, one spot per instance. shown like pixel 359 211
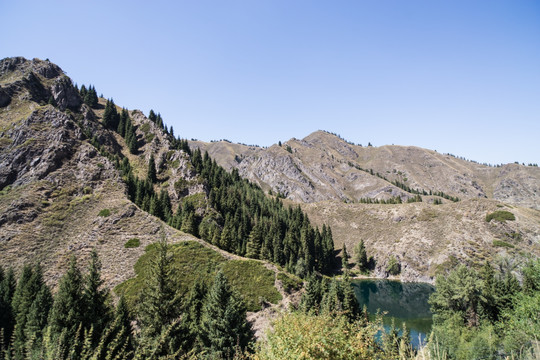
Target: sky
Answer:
pixel 459 77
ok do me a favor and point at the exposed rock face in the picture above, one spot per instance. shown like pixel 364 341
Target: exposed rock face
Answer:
pixel 37 81
pixel 38 146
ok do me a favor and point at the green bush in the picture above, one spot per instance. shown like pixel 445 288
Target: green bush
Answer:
pixel 132 243
pixel 500 216
pixel 104 213
pixel 306 336
pixel 500 243
pixel 393 266
pixel 289 282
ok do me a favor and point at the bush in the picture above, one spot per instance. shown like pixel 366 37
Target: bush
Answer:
pixel 289 282
pixel 500 243
pixel 132 243
pixel 393 266
pixel 306 336
pixel 104 213
pixel 500 216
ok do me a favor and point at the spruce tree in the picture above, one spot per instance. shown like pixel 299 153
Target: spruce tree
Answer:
pixel 223 321
pixel 361 256
pixel 159 304
pixel 36 320
pixel 68 310
pixel 344 259
pixel 30 284
pixel 7 318
pixel 97 313
pixel 151 174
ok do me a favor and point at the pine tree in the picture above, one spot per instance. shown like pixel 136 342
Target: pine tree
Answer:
pixel 68 310
pixel 151 174
pixel 29 286
pixel 7 318
pixel 361 256
pixel 97 313
pixel 117 341
pixel 159 304
pixel 36 320
pixel 223 321
pixel 110 115
pixel 344 259
pixel 152 116
pixel 253 247
pixel 192 309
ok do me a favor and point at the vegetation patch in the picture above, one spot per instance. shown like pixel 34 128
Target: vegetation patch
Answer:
pixel 104 213
pixel 253 281
pixel 500 243
pixel 289 282
pixel 500 216
pixel 193 262
pixel 132 243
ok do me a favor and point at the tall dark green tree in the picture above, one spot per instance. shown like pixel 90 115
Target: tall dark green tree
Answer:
pixel 223 321
pixel 151 174
pixel 344 258
pixel 97 313
pixel 68 311
pixel 30 284
pixel 7 318
pixel 361 256
pixel 110 115
pixel 160 304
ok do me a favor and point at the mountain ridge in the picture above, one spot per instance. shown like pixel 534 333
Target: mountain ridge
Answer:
pixel 62 188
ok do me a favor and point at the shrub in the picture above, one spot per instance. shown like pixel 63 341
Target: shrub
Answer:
pixel 500 243
pixel 104 213
pixel 289 282
pixel 500 216
pixel 132 243
pixel 393 266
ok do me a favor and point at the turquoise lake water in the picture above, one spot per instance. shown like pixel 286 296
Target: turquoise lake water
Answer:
pixel 404 302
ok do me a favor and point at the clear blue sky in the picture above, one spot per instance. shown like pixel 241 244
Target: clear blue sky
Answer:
pixel 454 76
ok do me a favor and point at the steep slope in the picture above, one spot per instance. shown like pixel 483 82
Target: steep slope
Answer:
pixel 427 239
pixel 323 166
pixel 64 185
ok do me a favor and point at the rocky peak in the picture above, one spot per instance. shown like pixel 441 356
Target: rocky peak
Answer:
pixel 38 81
pixel 22 66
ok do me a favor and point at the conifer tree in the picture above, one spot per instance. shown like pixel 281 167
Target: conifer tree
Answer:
pixel 36 320
pixel 68 310
pixel 110 115
pixel 344 259
pixel 223 321
pixel 97 311
pixel 151 174
pixel 29 286
pixel 192 312
pixel 253 247
pixel 159 304
pixel 361 256
pixel 152 116
pixel 7 318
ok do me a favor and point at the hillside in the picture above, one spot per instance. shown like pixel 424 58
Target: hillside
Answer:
pixel 74 177
pixel 332 179
pixel 65 189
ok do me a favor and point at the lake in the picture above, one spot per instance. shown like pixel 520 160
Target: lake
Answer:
pixel 404 302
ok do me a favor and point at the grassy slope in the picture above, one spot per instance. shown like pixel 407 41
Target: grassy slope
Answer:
pixel 194 262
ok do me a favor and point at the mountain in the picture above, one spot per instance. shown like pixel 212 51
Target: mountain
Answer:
pixel 77 175
pixel 74 177
pixel 323 166
pixel 334 180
